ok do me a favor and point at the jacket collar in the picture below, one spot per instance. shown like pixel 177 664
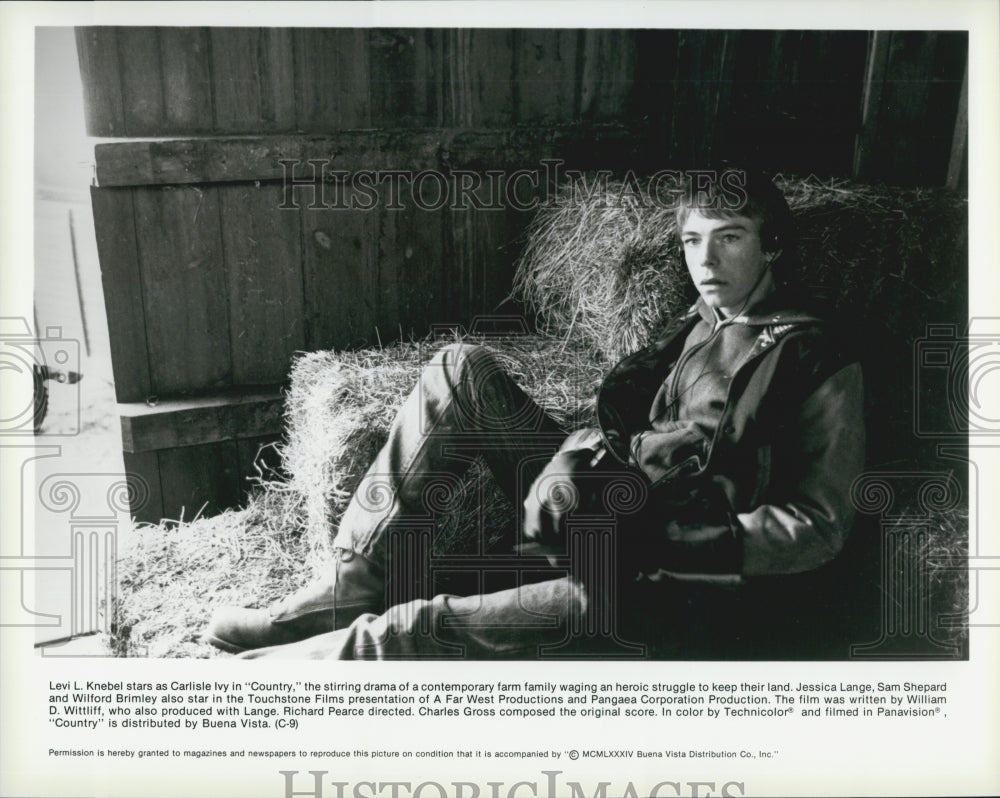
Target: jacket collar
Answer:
pixel 778 307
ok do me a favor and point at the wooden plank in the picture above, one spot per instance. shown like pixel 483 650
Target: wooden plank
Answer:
pixel 767 69
pixel 187 84
pixel 702 90
pixel 958 163
pixel 186 161
pixel 331 79
pixel 429 61
pixel 226 160
pixel 398 270
pixel 388 275
pixel 197 479
pixel 832 68
pixel 142 470
pixel 403 79
pixel 505 149
pixel 654 84
pixel 790 87
pixel 608 61
pixel 339 264
pixel 946 79
pixel 186 422
pixel 252 80
pixel 184 289
pixel 410 271
pixel 909 132
pixel 263 258
pixel 545 70
pixel 220 474
pixel 829 70
pixel 480 257
pixel 719 101
pixel 871 99
pixel 97 52
pixel 114 225
pixel 905 105
pixel 480 77
pixel 141 80
pixel 424 270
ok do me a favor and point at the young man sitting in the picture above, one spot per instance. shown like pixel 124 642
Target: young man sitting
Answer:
pixel 737 436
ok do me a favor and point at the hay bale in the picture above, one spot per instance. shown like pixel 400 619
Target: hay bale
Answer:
pixel 937 551
pixel 606 267
pixel 603 267
pixel 339 409
pixel 341 404
pixel 602 278
pixel 173 574
pixel 898 256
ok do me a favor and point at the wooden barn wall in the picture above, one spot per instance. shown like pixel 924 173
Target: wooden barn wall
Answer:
pixel 211 286
pixel 798 101
pixel 215 286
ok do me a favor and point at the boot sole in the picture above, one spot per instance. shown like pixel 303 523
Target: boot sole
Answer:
pixel 223 645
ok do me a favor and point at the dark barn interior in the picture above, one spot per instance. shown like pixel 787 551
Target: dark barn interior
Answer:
pixel 217 271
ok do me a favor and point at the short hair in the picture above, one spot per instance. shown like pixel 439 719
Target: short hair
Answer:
pixel 733 191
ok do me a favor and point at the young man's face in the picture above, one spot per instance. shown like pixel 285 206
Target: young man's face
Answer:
pixel 725 261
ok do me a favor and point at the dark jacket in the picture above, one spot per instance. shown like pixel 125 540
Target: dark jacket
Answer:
pixel 763 486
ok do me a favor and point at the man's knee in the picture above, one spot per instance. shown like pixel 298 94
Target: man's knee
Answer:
pixel 468 371
pixel 485 397
pixel 459 358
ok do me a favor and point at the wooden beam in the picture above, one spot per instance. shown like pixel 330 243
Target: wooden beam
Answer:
pixel 875 73
pixel 207 419
pixel 217 160
pixel 957 164
pixel 142 471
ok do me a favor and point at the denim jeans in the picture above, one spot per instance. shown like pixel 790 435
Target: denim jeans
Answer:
pixel 532 621
pixel 464 405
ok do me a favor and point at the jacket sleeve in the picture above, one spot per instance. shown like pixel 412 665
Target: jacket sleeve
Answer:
pixel 806 515
pixel 807 526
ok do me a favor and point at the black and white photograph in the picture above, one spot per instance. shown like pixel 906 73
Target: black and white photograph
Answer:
pixel 624 383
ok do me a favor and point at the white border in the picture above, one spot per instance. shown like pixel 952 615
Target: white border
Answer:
pixel 958 757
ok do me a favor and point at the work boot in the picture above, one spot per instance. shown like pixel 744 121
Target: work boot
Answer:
pixel 354 587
